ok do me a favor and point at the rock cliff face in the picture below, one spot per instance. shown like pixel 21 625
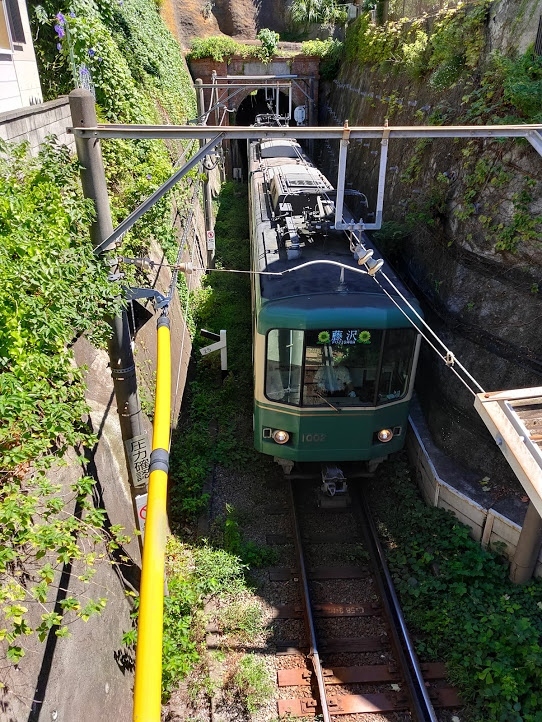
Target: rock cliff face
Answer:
pixel 242 19
pixel 471 256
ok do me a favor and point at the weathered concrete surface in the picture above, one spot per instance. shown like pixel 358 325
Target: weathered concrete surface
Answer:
pixel 35 122
pixel 513 24
pixel 87 676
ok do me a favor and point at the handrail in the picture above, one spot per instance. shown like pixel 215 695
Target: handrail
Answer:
pixel 148 665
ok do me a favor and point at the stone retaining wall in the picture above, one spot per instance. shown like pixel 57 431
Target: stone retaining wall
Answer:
pixel 35 122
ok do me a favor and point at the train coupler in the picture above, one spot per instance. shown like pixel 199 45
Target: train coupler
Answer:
pixel 334 488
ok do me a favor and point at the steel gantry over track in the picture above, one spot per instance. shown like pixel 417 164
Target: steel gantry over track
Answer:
pixel 214 135
pixel 224 89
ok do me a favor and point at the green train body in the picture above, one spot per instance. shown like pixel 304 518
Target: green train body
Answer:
pixel 334 355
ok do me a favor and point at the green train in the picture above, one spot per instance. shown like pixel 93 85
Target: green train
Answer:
pixel 334 356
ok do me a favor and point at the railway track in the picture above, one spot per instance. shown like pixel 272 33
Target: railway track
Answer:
pixel 354 656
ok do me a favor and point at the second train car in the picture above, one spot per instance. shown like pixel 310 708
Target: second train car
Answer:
pixel 334 357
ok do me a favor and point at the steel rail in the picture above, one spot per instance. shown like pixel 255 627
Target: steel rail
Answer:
pixel 309 621
pixel 422 706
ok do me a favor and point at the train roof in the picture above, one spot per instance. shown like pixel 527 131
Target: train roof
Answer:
pixel 284 180
pixel 322 278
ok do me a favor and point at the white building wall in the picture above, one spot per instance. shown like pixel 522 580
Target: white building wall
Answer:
pixel 19 79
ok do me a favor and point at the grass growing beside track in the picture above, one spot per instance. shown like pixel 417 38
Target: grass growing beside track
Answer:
pixel 457 598
pixel 212 429
pixel 209 585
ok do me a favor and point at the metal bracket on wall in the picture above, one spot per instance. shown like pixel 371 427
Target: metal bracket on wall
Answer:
pixel 160 301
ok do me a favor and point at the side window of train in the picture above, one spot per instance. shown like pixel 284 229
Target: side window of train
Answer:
pixel 396 364
pixel 284 365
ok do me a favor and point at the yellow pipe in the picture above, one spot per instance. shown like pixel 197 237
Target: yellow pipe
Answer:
pixel 148 665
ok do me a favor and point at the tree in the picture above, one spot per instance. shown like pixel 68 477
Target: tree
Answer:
pixel 311 12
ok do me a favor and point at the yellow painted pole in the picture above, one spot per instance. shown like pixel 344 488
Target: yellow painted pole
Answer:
pixel 148 666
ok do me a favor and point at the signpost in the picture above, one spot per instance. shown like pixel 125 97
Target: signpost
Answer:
pixel 220 345
pixel 141 507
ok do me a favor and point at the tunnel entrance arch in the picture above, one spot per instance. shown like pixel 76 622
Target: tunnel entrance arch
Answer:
pixel 228 99
pixel 262 101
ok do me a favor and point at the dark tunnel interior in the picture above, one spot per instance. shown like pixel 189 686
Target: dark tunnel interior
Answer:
pixel 255 104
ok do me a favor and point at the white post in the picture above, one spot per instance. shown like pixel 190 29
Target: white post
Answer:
pixel 381 180
pixel 341 175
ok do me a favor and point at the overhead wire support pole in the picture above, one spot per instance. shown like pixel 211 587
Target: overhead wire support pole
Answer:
pixel 341 174
pixel 121 358
pixel 151 200
pixel 207 200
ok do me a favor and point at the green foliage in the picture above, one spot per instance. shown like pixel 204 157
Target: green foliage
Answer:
pixel 179 649
pixel 522 83
pixel 241 617
pixel 222 48
pixel 430 206
pixel 329 51
pixel 251 554
pixel 37 524
pixel 209 433
pixel 54 289
pixel 130 55
pixel 465 611
pixel 139 76
pixel 378 44
pixel 457 41
pixel 252 681
pixel 305 13
pixel 269 40
pixel 452 48
pixel 482 174
pixel 194 575
pixel 217 48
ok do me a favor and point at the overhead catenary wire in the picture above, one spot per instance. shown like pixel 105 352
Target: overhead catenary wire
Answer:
pixel 182 244
pixel 448 356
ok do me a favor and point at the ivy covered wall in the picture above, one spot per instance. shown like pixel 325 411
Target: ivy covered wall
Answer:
pixel 65 564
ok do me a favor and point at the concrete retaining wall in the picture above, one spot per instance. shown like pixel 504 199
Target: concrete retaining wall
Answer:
pixel 446 485
pixel 35 122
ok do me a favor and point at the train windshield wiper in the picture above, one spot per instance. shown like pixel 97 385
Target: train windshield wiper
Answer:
pixel 327 402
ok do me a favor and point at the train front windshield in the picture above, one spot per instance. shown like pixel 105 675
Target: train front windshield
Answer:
pixel 345 367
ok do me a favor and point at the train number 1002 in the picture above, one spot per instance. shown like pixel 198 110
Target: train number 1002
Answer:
pixel 313 438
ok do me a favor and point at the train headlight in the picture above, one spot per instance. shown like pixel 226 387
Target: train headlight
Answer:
pixel 385 435
pixel 280 437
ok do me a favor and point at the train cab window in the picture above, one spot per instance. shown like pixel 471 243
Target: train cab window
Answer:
pixel 341 367
pixel 397 357
pixel 283 367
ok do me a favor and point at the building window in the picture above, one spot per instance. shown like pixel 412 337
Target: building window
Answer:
pixel 5 45
pixel 14 21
